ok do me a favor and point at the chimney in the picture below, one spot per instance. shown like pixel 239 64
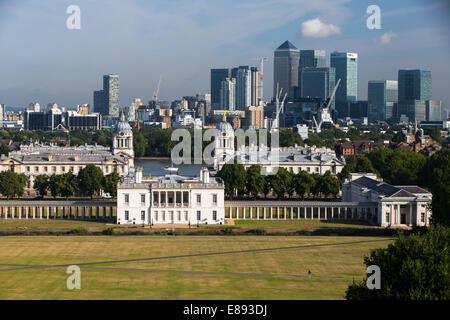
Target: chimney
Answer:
pixel 138 175
pixel 204 175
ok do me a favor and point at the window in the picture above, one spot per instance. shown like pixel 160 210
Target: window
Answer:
pixel 422 217
pixel 107 169
pixel 126 215
pixel 156 215
pixel 71 169
pixel 163 216
pixel 54 169
pixel 317 169
pixel 214 215
pixel 36 169
pixel 199 198
pixel 127 198
pixel 142 215
pixel 185 215
pixel 143 198
pixel 63 169
pixel 28 169
pixel 214 198
pixel 403 206
pixel 45 169
pixel 387 217
pixel 199 215
pixel 179 215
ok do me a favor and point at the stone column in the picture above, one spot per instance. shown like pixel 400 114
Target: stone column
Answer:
pixel 410 215
pixel 285 212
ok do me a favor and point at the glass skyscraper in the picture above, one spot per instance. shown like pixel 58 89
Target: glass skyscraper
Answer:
pixel 346 65
pixel 381 96
pixel 285 67
pixel 317 83
pixel 217 76
pixel 106 101
pixel 414 88
pixel 311 59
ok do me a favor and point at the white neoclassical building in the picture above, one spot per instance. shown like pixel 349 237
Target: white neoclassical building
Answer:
pixel 397 205
pixel 170 199
pixel 295 159
pixel 36 158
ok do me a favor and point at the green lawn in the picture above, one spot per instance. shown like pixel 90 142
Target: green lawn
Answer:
pixel 131 282
pixel 301 224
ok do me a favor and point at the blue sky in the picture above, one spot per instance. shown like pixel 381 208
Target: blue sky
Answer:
pixel 41 60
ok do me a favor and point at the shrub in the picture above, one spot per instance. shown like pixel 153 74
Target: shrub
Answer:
pixel 108 232
pixel 258 231
pixel 227 230
pixel 79 230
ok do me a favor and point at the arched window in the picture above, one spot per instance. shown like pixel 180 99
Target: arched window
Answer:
pixel 11 166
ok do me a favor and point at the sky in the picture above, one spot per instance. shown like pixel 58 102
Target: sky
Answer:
pixel 42 60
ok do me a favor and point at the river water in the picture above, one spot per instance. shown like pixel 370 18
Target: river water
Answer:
pixel 155 167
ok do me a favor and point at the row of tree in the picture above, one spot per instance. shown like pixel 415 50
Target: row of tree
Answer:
pixel 89 182
pixel 283 184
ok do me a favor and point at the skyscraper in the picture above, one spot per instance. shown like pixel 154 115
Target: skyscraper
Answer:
pixel 317 83
pixel 243 88
pixel 414 88
pixel 217 76
pixel 311 59
pixel 106 101
pixel 227 94
pixel 381 96
pixel 285 67
pixel 346 65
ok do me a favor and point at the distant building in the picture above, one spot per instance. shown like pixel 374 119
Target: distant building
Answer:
pixel 254 117
pixel 434 111
pixel 243 88
pixel 106 101
pixel 217 76
pixel 227 94
pixel 381 96
pixel 311 59
pixel 346 65
pixel 414 88
pixel 285 67
pixel 318 83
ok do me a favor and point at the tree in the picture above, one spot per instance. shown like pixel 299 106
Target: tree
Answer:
pixel 315 187
pixel 267 185
pixel 139 144
pixel 234 177
pixel 110 183
pixel 254 182
pixel 329 184
pixel 281 182
pixel 435 175
pixel 90 180
pixel 41 184
pixel 356 163
pixel 12 184
pixel 303 182
pixel 413 268
pixel 4 149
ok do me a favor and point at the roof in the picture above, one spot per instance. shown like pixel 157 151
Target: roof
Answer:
pixel 390 190
pixel 287 45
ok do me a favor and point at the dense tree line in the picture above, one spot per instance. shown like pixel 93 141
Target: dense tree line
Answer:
pixel 89 181
pixel 284 184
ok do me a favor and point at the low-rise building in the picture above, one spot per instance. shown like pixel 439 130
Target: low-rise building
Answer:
pixel 170 199
pixel 396 205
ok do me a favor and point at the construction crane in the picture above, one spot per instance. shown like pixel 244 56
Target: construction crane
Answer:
pixel 156 93
pixel 323 112
pixel 279 107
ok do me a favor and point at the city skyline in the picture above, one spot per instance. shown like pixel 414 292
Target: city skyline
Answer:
pixel 46 62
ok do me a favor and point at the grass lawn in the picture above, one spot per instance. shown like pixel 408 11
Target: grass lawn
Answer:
pixel 128 280
pixel 301 224
pixel 50 224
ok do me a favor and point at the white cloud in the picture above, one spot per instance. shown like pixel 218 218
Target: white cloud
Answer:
pixel 387 37
pixel 314 28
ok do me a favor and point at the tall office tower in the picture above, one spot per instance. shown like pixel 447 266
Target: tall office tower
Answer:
pixel 217 76
pixel 111 93
pixel 414 87
pixel 346 65
pixel 317 83
pixel 381 96
pixel 285 67
pixel 99 102
pixel 227 94
pixel 256 98
pixel 311 59
pixel 243 88
pixel 254 117
pixel 434 111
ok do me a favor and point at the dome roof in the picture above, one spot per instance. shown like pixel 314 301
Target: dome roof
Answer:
pixel 123 125
pixel 225 127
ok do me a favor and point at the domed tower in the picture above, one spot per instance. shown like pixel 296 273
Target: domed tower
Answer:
pixel 224 143
pixel 123 139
